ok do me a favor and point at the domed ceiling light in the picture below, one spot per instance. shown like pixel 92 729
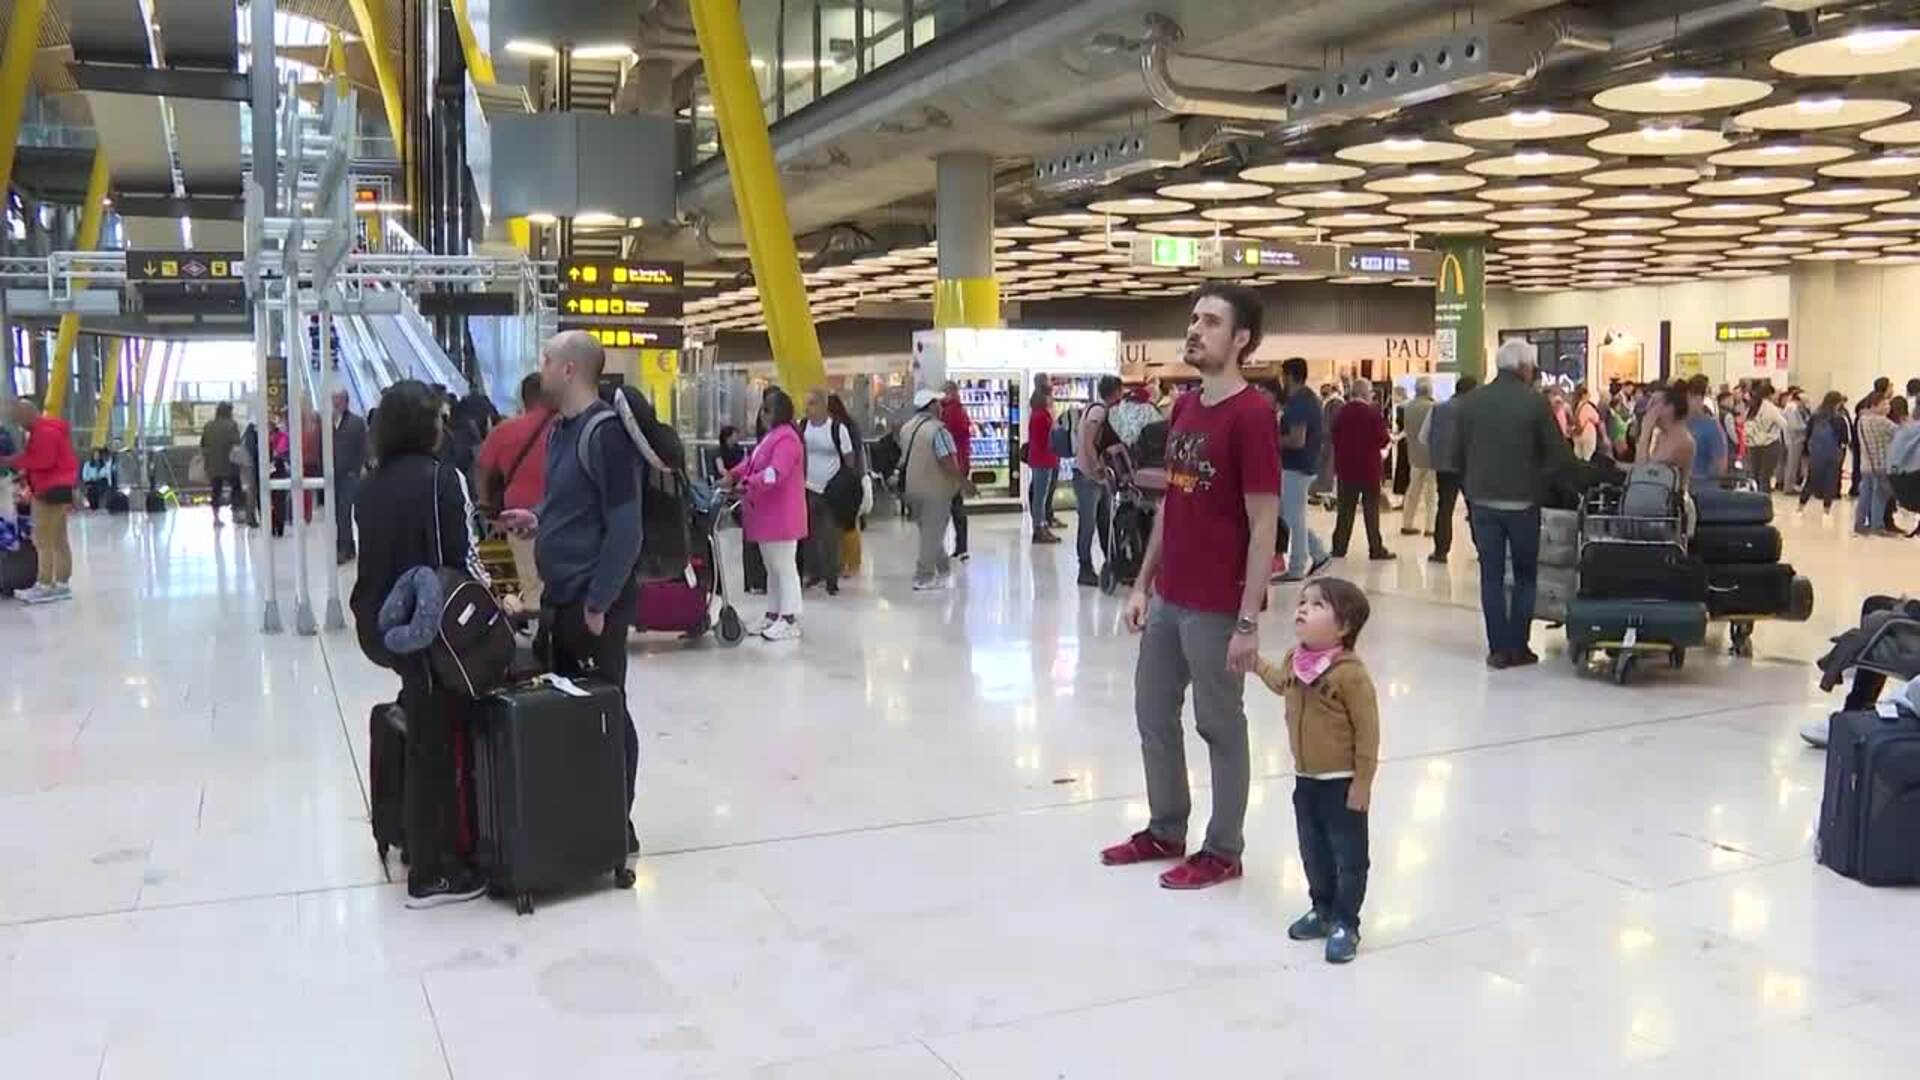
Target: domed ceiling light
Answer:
pixel 1682 92
pixel 1868 51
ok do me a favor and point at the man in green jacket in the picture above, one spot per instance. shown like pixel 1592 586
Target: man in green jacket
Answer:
pixel 1510 445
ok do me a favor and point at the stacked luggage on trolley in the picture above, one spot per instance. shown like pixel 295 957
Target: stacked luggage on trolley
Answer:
pixel 1641 592
pixel 1558 581
pixel 1746 581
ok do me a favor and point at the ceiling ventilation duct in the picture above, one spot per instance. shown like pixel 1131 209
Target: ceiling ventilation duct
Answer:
pixel 1175 97
pixel 1097 164
pixel 1476 60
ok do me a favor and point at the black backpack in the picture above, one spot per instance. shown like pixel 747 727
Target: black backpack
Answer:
pixel 472 648
pixel 666 540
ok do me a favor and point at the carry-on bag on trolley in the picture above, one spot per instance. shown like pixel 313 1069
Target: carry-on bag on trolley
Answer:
pixel 1632 571
pixel 550 784
pixel 1721 544
pixel 1595 623
pixel 1726 506
pixel 1870 811
pixel 1763 589
pixel 1559 537
pixel 1652 490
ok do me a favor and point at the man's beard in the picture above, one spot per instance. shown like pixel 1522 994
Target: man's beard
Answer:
pixel 1200 360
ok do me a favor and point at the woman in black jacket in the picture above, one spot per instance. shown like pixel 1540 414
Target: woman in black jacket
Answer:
pixel 413 510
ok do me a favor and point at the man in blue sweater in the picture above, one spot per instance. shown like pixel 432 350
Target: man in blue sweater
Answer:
pixel 589 529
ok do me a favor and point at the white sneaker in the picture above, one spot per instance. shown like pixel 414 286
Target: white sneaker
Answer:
pixel 921 584
pixel 33 594
pixel 61 591
pixel 1814 733
pixel 761 624
pixel 782 630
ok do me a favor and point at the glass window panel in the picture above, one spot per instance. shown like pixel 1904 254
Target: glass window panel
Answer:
pixel 797 64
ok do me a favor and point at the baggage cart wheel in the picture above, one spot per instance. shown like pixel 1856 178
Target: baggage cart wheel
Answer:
pixel 623 877
pixel 1677 659
pixel 1623 664
pixel 523 904
pixel 1740 634
pixel 731 630
pixel 1109 578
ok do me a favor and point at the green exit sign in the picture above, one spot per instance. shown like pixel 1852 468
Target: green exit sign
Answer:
pixel 1175 251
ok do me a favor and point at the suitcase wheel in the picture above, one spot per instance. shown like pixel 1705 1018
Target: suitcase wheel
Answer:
pixel 623 877
pixel 1623 665
pixel 731 631
pixel 523 904
pixel 1109 578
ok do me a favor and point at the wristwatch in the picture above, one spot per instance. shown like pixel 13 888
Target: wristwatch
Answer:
pixel 1246 626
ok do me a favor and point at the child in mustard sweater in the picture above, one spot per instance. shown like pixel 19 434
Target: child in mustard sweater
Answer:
pixel 1333 725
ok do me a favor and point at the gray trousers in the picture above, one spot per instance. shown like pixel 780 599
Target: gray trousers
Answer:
pixel 930 515
pixel 1182 648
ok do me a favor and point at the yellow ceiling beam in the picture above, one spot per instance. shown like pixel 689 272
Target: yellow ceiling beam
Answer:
pixel 92 212
pixel 16 75
pixel 370 20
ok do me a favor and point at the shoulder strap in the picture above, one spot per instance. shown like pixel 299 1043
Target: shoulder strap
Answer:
pixel 438 547
pixel 583 448
pixel 913 436
pixel 521 458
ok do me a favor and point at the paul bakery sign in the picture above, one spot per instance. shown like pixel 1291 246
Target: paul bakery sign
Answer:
pixel 1337 348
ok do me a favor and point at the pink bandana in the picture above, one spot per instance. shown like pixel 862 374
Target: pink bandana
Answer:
pixel 1310 664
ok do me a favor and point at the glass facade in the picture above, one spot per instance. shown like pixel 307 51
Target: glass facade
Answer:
pixel 804 50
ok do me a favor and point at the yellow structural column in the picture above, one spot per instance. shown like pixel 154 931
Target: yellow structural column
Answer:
pixel 16 75
pixel 91 213
pixel 370 19
pixel 757 194
pixel 109 393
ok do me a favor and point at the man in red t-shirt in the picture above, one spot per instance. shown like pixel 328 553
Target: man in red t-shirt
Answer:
pixel 511 474
pixel 1208 558
pixel 1359 435
pixel 953 413
pixel 52 469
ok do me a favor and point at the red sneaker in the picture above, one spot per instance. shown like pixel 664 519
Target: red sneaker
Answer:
pixel 1141 847
pixel 1203 870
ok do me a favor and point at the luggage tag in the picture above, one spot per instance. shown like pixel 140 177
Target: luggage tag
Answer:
pixel 563 684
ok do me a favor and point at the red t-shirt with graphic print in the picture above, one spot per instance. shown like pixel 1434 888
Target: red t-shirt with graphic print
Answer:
pixel 1216 456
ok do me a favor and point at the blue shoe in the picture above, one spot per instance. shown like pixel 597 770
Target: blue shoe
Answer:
pixel 1309 927
pixel 1342 944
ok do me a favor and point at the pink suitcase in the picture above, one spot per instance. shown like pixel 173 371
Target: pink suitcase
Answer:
pixel 671 606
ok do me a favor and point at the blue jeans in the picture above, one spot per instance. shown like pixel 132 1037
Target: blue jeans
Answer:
pixel 1870 511
pixel 1333 849
pixel 1500 534
pixel 1040 495
pixel 1092 505
pixel 1306 547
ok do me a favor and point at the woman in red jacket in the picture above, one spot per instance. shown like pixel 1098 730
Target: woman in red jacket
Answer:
pixel 1359 435
pixel 1043 465
pixel 52 470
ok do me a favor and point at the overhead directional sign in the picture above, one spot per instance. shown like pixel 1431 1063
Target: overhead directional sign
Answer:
pixel 169 267
pixel 1388 262
pixel 622 275
pixel 600 306
pixel 468 303
pixel 630 335
pixel 1275 255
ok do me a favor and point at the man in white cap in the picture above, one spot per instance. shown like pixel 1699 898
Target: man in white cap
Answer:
pixel 930 464
pixel 1509 444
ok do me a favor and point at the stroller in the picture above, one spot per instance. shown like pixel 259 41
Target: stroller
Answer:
pixel 687 604
pixel 1136 491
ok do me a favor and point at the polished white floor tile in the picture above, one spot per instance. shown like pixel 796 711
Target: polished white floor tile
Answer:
pixel 872 853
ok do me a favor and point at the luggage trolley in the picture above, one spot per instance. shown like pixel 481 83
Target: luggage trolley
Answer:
pixel 1601 521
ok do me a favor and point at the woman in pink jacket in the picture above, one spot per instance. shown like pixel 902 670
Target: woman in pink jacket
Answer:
pixel 773 486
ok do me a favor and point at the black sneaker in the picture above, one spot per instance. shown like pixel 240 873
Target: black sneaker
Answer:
pixel 1089 578
pixel 1499 660
pixel 1522 657
pixel 462 886
pixel 1320 564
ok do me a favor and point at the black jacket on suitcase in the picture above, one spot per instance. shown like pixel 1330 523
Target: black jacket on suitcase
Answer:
pixel 1640 572
pixel 1716 544
pixel 1870 811
pixel 551 784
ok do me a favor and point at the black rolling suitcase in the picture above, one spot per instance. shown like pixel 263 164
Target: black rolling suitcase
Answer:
pixel 1764 589
pixel 551 784
pixel 1722 506
pixel 387 781
pixel 19 568
pixel 1679 623
pixel 1870 811
pixel 1720 544
pixel 1615 571
pixel 118 502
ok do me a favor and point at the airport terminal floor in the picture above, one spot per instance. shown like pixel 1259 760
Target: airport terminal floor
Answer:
pixel 872 853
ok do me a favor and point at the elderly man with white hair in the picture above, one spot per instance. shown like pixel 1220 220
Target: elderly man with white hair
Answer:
pixel 1509 444
pixel 1420 485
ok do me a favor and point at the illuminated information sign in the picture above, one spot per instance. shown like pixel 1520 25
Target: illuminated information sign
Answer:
pixel 623 302
pixel 147 266
pixel 1388 262
pixel 622 275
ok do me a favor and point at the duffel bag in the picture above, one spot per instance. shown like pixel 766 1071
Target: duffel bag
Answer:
pixel 1641 572
pixel 1759 589
pixel 1718 544
pixel 1720 506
